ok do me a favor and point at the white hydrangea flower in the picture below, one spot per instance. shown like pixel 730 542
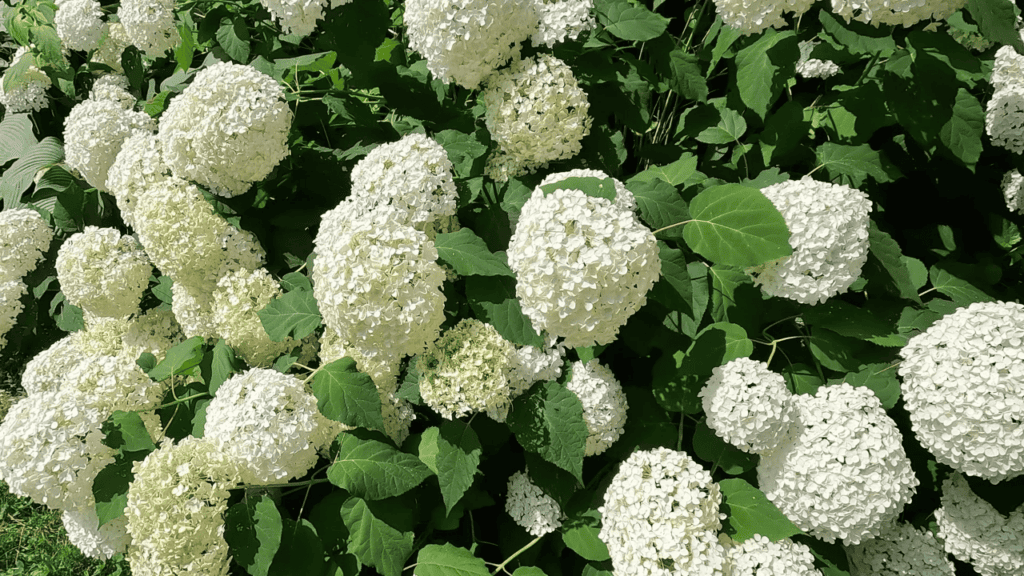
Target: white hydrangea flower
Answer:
pixel 45 371
pixel 828 226
pixel 11 292
pixel 467 371
pixel 759 556
pixel 583 265
pixel 29 93
pixel 149 25
pixel 976 533
pixel 843 473
pixel 193 310
pixel 377 282
pixel 113 87
pixel 155 331
pixel 398 415
pixel 561 19
pixel 227 129
pixel 297 17
pixel 239 297
pixel 112 45
pixel 754 16
pixel 536 113
pixel 109 383
pixel 1008 67
pixel 264 420
pixel 463 41
pixel 812 67
pixel 24 238
pixel 1013 191
pixel 604 404
pixel 79 24
pixel 1004 118
pixel 624 199
pixel 138 167
pixel 95 541
pixel 103 272
pixel 896 12
pixel 175 510
pixel 530 507
pixel 660 517
pixel 93 134
pixel 962 379
pixel 530 364
pixel 899 549
pixel 748 405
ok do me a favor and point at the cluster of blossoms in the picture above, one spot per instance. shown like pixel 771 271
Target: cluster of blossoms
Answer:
pixel 24 238
pixel 961 382
pixel 530 507
pixel 29 91
pixel 754 17
pixel 975 532
pixel 899 549
pixel 583 265
pixel 828 224
pixel 1013 191
pixel 748 405
pixel 758 556
pixel 1004 114
pixel 604 404
pixel 103 272
pixel 149 25
pixel 79 24
pixel 751 17
pixel 812 67
pixel 561 19
pixel 299 17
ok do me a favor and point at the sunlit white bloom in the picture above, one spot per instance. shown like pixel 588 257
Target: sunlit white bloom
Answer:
pixel 604 404
pixel 1013 191
pixel 753 16
pixel 136 168
pixel 103 272
pixel 748 405
pixel 1008 67
pixel 24 238
pixel 896 12
pixel 812 67
pixel 976 533
pixel 296 17
pixel 1004 118
pixel 237 301
pixel 149 25
pixel 11 292
pixel 112 45
pixel 28 92
pixel 113 87
pixel 79 23
pixel 759 556
pixel 530 507
pixel 95 541
pixel 530 364
pixel 93 134
pixel 899 549
pixel 562 19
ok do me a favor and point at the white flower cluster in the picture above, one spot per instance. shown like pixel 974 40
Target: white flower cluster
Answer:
pixel 530 364
pixel 464 41
pixel 748 405
pixel 752 17
pixel 79 24
pixel 1013 191
pixel 94 132
pixel 239 297
pixel 1007 68
pixel 530 507
pixel 812 67
pixel 583 265
pixel 536 113
pixel 661 516
pixel 975 532
pixel 227 129
pixel 149 25
pixel 899 549
pixel 842 472
pixel 604 404
pixel 896 13
pixel 175 510
pixel 296 16
pixel 113 87
pixel 561 19
pixel 758 556
pixel 828 226
pixel 29 93
pixel 962 379
pixel 414 176
pixel 264 420
pixel 24 237
pixel 112 45
pixel 95 541
pixel 103 272
pixel 1004 117
pixel 138 166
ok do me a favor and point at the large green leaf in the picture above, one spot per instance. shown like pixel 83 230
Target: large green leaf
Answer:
pixel 180 359
pixel 959 290
pixel 729 129
pixel 301 550
pixel 678 377
pixel 453 453
pixel 468 255
pixel 548 420
pixel 709 447
pixel 233 37
pixel 963 133
pixel 856 37
pixel 15 137
pixel 630 21
pixel 888 255
pixel 660 206
pixel 592 186
pixel 764 67
pixel 851 165
pixel 448 560
pixel 879 378
pixel 373 540
pixel 848 320
pixel 253 529
pixel 18 177
pixel 493 300
pixel 347 395
pixel 373 469
pixel 735 225
pixel 687 80
pixel 749 513
pixel 675 173
pixel 996 20
pixel 293 314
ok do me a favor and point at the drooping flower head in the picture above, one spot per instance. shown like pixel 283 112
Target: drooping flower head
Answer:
pixel 748 405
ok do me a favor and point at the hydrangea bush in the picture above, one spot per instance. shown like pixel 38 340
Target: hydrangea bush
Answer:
pixel 471 287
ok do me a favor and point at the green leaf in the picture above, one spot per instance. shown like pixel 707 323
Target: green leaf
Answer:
pixel 630 22
pixel 729 129
pixel 18 177
pixel 879 378
pixel 185 51
pixel 849 320
pixel 687 80
pixel 996 20
pixel 678 377
pixel 110 488
pixel 374 541
pixel 219 364
pixel 253 530
pixel 709 447
pixel 887 253
pixel 764 67
pixel 292 314
pixel 301 552
pixel 589 185
pixel 737 226
pixel 448 560
pixel 959 290
pixel 293 281
pixel 180 359
pixel 580 533
pixel 372 469
pixel 347 395
pixel 674 273
pixel 676 173
pixel 857 37
pixel 131 61
pixel 15 137
pixel 548 420
pixel 851 165
pixel 493 300
pixel 463 150
pixel 125 431
pixel 962 134
pixel 468 254
pixel 156 105
pixel 749 513
pixel 835 352
pixel 70 318
pixel 453 453
pixel 660 206
pixel 233 37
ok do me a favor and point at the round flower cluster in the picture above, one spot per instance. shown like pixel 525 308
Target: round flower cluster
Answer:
pixel 95 541
pixel 377 282
pixel 94 132
pixel 530 507
pixel 175 510
pixel 79 24
pixel 583 265
pixel 536 113
pixel 530 364
pixel 112 45
pixel 149 25
pixel 113 87
pixel 264 420
pixel 296 17
pixel 24 237
pixel 1004 117
pixel 413 175
pixel 899 549
pixel 1007 68
pixel 748 405
pixel 138 167
pixel 962 379
pixel 604 404
pixel 109 383
pixel 660 517
pixel 752 17
pixel 227 129
pixel 237 301
pixel 828 224
pixel 561 19
pixel 758 556
pixel 812 67
pixel 29 92
pixel 464 41
pixel 10 306
pixel 902 12
pixel 1013 191
pixel 103 272
pixel 466 371
pixel 976 533
pixel 843 473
